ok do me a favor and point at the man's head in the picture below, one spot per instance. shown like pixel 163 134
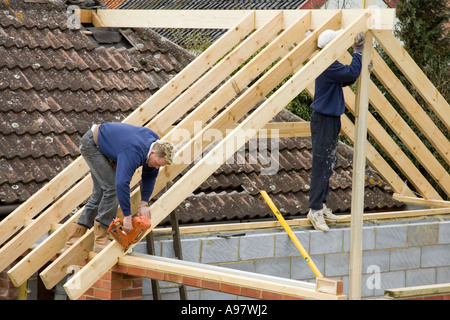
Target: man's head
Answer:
pixel 326 37
pixel 161 154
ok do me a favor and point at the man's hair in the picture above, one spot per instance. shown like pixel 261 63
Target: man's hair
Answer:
pixel 164 149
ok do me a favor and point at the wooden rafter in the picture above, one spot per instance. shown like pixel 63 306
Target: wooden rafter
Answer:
pixel 63 181
pixel 224 19
pixel 283 33
pixel 413 73
pixel 102 262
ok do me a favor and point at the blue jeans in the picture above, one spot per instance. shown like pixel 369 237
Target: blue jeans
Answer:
pixel 324 136
pixel 103 204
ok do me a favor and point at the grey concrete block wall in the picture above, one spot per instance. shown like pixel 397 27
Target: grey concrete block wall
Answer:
pixel 395 254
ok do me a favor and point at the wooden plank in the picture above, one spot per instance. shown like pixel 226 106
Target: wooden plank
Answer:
pixel 227 276
pixel 408 292
pixel 276 49
pixel 422 202
pixel 96 21
pixel 406 101
pixel 407 135
pixel 413 73
pixel 85 278
pixel 410 140
pixel 56 271
pixel 214 229
pixel 287 129
pixel 40 226
pixel 359 172
pixel 217 74
pixel 227 119
pixel 103 261
pixel 192 72
pixel 43 253
pixel 53 244
pixel 42 198
pixel 225 19
pixel 376 160
pixel 33 232
pixel 158 101
pixel 402 161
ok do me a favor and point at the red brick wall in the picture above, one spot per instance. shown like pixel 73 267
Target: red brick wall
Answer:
pixel 7 289
pixel 445 296
pixel 200 283
pixel 115 286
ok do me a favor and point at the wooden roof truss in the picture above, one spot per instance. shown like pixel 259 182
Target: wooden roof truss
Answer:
pixel 282 43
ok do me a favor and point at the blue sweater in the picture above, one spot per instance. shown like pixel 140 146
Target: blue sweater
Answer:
pixel 128 147
pixel 328 96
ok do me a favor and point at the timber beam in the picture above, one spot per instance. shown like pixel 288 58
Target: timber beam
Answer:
pixel 227 280
pixel 382 19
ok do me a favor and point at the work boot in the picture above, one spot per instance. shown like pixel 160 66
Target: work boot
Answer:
pixel 76 232
pixel 317 220
pixel 101 237
pixel 328 214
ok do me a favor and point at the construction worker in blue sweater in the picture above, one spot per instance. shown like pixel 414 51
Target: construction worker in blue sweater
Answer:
pixel 328 106
pixel 113 152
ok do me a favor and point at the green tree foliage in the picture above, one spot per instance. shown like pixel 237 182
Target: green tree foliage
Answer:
pixel 422 28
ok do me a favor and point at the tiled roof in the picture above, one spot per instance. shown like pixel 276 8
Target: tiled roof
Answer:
pixel 56 82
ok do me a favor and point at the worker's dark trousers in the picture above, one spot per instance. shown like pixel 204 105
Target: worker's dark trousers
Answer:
pixel 324 136
pixel 103 204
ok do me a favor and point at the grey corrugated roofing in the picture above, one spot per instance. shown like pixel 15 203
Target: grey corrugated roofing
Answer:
pixel 211 4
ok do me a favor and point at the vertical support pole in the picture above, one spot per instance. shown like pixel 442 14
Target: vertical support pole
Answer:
pixel 177 248
pixel 151 250
pixel 359 164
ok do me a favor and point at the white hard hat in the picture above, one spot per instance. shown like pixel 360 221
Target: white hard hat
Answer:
pixel 326 37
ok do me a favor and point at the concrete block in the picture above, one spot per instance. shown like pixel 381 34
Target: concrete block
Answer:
pixel 274 267
pixel 424 234
pixel 166 248
pixel 390 280
pixel 300 269
pixel 367 285
pixel 285 247
pixel 444 232
pixel 257 247
pixel 219 250
pixel 336 264
pixel 436 256
pixel 326 242
pixel 420 277
pixel 375 260
pixel 443 275
pixel 390 236
pixel 368 239
pixel 402 259
pixel 243 266
pixel 190 249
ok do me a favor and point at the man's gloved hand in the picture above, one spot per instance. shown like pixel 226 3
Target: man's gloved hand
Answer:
pixel 358 45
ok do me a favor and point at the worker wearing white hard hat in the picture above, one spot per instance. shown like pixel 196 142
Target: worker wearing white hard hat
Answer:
pixel 328 106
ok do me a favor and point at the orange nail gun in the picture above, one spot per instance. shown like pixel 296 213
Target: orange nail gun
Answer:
pixel 140 225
